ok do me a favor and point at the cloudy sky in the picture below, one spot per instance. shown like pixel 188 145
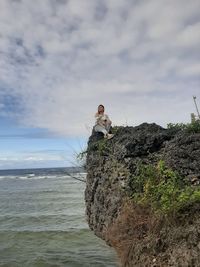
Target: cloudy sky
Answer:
pixel 59 59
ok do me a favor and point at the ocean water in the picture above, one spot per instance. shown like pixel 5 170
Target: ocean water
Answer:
pixel 42 222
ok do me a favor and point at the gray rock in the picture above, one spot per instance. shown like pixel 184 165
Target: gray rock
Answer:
pixel 108 173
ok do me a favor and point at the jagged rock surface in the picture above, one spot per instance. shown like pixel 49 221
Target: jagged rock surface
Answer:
pixel 109 168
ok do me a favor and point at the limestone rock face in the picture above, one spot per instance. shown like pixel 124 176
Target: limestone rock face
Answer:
pixel 109 166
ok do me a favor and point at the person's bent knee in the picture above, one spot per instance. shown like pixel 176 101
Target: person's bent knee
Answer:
pixel 100 129
pixel 97 128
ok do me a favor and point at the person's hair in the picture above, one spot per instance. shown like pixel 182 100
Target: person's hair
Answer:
pixel 100 106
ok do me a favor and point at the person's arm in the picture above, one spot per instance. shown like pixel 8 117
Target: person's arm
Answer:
pixel 108 119
pixel 99 120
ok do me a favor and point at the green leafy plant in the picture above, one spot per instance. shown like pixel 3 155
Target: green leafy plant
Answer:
pixel 101 147
pixel 82 155
pixel 176 126
pixel 162 188
pixel 193 127
pixel 115 129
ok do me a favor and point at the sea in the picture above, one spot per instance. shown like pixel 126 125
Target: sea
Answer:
pixel 43 222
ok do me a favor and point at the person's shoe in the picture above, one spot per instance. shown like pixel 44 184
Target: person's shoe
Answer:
pixel 109 136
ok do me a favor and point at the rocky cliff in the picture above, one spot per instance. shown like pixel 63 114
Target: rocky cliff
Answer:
pixel 147 227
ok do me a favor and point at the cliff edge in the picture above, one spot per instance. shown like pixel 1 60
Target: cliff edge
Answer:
pixel 142 194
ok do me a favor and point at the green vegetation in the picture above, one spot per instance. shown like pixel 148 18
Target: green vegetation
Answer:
pixel 193 127
pixel 162 189
pixel 81 156
pixel 115 129
pixel 102 147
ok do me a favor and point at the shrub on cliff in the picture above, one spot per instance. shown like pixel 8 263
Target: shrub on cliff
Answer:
pixel 193 127
pixel 163 189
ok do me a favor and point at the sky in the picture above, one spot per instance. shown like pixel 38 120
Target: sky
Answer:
pixel 60 59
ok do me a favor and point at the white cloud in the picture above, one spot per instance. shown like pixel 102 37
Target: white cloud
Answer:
pixel 36 156
pixel 191 70
pixel 63 58
pixel 190 36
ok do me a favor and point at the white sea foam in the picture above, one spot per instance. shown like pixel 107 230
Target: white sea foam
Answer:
pixel 31 174
pixel 28 177
pixel 8 176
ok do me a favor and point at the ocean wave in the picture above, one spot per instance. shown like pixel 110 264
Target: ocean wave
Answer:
pixel 27 177
pixel 41 217
pixel 10 177
pixel 57 222
pixel 69 231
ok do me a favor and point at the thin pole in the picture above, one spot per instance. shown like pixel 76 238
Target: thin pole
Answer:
pixel 194 97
